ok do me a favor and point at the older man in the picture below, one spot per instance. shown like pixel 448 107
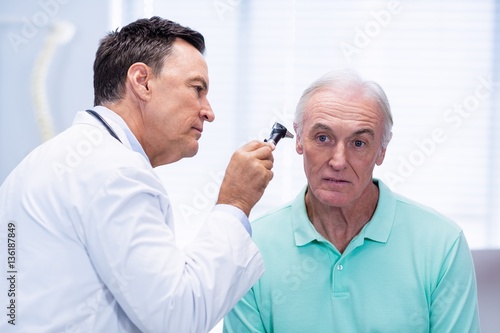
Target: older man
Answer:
pixel 348 254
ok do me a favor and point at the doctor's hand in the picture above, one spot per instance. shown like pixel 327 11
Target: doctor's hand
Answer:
pixel 247 176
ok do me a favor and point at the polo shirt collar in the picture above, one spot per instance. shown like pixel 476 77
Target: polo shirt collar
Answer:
pixel 378 229
pixel 303 229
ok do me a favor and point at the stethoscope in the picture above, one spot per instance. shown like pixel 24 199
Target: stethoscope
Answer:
pixel 104 122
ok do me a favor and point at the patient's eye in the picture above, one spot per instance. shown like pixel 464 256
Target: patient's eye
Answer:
pixel 359 143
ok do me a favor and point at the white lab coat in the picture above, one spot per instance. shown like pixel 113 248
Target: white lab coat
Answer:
pixel 95 248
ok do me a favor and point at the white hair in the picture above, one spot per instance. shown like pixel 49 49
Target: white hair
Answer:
pixel 347 79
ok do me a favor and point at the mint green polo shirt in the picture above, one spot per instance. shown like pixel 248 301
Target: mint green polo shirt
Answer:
pixel 408 270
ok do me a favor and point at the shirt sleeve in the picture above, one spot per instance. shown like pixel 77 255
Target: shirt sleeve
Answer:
pixel 160 287
pixel 238 213
pixel 454 305
pixel 244 317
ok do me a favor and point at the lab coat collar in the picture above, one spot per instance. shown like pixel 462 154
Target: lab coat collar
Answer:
pixel 117 124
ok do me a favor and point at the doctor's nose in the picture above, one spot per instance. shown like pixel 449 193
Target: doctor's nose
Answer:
pixel 206 111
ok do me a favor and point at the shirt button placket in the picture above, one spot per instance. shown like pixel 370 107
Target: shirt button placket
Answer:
pixel 338 280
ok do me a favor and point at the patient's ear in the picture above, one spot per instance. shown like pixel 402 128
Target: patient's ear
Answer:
pixel 381 156
pixel 298 140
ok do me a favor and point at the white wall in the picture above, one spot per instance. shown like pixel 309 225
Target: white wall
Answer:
pixel 24 30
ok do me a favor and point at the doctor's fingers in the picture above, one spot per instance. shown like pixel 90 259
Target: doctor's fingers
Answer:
pixel 260 158
pixel 262 151
pixel 266 163
pixel 253 151
pixel 262 148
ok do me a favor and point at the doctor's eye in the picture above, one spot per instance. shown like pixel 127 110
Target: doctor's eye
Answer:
pixel 198 89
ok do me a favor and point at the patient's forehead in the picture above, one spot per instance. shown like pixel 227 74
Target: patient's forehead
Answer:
pixel 342 103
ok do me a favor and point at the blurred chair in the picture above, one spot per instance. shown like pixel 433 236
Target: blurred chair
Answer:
pixel 487 265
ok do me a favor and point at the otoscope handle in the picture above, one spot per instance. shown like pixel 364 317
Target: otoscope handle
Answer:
pixel 274 138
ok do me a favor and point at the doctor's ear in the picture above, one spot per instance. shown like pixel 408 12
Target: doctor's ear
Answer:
pixel 138 77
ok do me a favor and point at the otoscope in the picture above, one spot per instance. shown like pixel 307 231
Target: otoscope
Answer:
pixel 278 132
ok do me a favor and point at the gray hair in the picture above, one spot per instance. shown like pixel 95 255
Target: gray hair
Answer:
pixel 342 80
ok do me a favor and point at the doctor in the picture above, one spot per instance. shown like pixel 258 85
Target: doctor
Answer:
pixel 88 223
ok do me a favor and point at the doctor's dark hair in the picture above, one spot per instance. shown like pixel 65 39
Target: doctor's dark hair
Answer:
pixel 145 40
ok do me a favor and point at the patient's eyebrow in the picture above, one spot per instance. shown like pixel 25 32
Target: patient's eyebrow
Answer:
pixel 324 127
pixel 368 131
pixel 321 126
